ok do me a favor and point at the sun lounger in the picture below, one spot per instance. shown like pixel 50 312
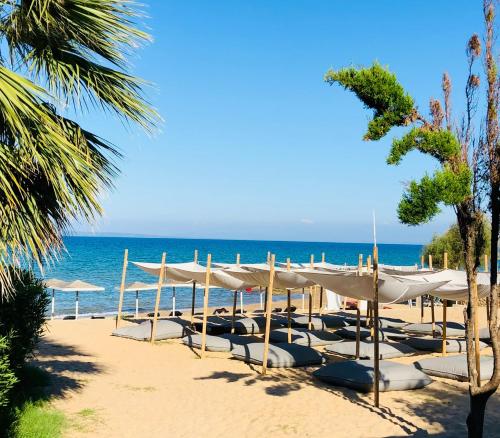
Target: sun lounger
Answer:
pixel 322 322
pixel 165 329
pixel 253 325
pixel 452 329
pixel 454 367
pixel 301 336
pixel 387 350
pixel 280 355
pixel 436 344
pixel 223 343
pixel 365 333
pixel 358 375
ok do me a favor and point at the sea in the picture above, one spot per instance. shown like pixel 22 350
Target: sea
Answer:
pixel 99 260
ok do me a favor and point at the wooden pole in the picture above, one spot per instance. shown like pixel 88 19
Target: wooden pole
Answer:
pixel 477 351
pixel 421 309
pixel 322 257
pixel 430 262
pixel 288 305
pixel 445 260
pixel 369 264
pixel 268 316
pixel 486 263
pixel 422 262
pixel 433 318
pixel 309 322
pixel 360 264
pixel 238 259
pixel 205 307
pixel 158 294
pixel 321 292
pixel 376 368
pixel 122 288
pixel 358 331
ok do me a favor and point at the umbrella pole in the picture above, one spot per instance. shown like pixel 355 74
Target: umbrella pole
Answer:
pixel 76 304
pixel 136 304
pixel 193 302
pixel 173 300
pixel 53 304
pixel 241 302
pixel 122 288
pixel 158 293
pixel 303 300
pixel 265 300
pixel 445 305
pixel 376 370
pixel 260 297
pixel 268 315
pixel 358 329
pixel 309 321
pixel 205 307
pixel 321 300
pixel 289 304
pixel 234 310
pixel 433 317
pixel 421 309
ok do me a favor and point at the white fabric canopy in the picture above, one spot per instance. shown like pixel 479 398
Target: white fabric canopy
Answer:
pixel 171 270
pixel 350 284
pixel 456 287
pixel 77 286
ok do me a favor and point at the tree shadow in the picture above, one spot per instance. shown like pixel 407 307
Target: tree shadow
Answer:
pixel 67 367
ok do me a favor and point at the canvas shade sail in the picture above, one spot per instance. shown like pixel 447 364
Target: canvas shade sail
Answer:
pixel 140 286
pixel 173 271
pixel 258 273
pixel 456 287
pixel 78 286
pixel 352 285
pixel 55 283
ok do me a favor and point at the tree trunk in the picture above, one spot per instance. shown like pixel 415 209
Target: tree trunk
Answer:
pixel 475 419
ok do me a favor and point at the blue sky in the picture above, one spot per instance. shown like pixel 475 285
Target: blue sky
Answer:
pixel 254 144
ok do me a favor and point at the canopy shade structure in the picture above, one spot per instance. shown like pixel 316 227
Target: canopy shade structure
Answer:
pixel 455 287
pixel 350 284
pixel 258 274
pixel 76 286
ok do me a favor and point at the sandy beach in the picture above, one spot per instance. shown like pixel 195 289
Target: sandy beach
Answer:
pixel 113 387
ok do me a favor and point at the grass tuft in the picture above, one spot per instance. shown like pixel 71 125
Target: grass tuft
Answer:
pixel 38 420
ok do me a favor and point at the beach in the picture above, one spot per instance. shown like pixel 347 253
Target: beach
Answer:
pixel 114 387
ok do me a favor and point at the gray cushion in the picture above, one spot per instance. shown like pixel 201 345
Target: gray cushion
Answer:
pixel 224 342
pixel 254 325
pixel 358 375
pixel 383 322
pixel 436 344
pixel 313 338
pixel 452 328
pixel 454 367
pixel 365 333
pixel 279 356
pixel 165 329
pixel 320 322
pixel 484 335
pixel 387 350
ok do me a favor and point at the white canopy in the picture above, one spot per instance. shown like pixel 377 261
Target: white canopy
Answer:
pixel 173 271
pixel 456 287
pixel 350 284
pixel 54 283
pixel 74 286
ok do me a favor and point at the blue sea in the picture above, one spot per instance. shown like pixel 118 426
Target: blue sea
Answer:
pixel 99 260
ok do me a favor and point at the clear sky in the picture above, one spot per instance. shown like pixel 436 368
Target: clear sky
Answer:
pixel 254 144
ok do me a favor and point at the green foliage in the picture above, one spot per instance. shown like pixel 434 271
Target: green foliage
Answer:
pixel 51 169
pixel 7 376
pixel 22 316
pixel 38 420
pixel 380 91
pixel 442 145
pixel 451 242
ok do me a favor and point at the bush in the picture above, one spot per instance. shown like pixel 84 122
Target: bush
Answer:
pixel 7 377
pixel 22 316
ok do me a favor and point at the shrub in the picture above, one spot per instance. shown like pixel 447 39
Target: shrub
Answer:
pixel 7 377
pixel 22 316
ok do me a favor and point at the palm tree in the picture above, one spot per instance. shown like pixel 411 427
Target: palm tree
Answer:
pixel 55 55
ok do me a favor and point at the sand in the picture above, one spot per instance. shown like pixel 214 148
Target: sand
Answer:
pixel 113 387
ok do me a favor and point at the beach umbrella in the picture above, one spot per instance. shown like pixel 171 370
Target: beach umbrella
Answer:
pixel 77 286
pixel 136 287
pixel 54 283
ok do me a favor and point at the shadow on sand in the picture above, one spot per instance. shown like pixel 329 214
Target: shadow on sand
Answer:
pixel 443 403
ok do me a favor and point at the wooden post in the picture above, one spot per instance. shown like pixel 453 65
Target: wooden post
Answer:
pixel 268 256
pixel 422 261
pixel 360 264
pixel 430 262
pixel 443 348
pixel 158 293
pixel 486 263
pixel 322 257
pixel 288 305
pixel 193 297
pixel 321 292
pixel 376 368
pixel 421 309
pixel 433 317
pixel 122 288
pixel 445 260
pixel 309 322
pixel 268 316
pixel 238 259
pixel 205 307
pixel 368 264
pixel 358 329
